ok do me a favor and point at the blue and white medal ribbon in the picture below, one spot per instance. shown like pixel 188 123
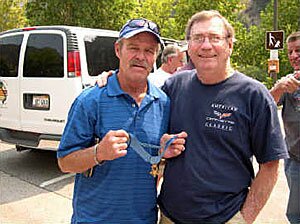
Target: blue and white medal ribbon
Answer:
pixel 138 147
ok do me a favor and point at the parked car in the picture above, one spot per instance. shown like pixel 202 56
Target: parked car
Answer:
pixel 42 70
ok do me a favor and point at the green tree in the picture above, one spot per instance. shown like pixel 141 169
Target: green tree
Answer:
pixel 12 14
pixel 250 53
pixel 159 11
pixel 184 9
pixel 288 21
pixel 106 14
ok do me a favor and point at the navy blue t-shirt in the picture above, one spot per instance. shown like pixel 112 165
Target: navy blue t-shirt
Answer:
pixel 227 123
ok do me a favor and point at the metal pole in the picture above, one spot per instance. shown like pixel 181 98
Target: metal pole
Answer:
pixel 273 74
pixel 275 19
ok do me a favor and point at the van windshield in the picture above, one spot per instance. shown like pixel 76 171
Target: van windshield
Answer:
pixel 100 54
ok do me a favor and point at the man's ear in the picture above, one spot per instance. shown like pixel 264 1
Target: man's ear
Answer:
pixel 117 49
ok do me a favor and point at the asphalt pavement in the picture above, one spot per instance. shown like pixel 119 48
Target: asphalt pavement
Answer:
pixel 26 200
pixel 23 201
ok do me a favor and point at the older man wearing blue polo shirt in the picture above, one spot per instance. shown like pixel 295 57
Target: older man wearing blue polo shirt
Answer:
pixel 113 184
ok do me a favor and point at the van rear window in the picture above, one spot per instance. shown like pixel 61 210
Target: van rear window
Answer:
pixel 44 56
pixel 100 54
pixel 9 55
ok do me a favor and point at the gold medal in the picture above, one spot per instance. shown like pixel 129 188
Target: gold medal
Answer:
pixel 154 170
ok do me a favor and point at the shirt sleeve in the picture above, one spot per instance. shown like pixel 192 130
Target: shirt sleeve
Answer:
pixel 266 137
pixel 79 130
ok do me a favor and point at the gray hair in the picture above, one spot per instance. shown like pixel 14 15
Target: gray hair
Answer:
pixel 206 15
pixel 169 51
pixel 293 37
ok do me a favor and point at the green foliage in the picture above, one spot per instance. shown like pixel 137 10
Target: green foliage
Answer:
pixel 249 55
pixel 106 14
pixel 250 48
pixel 184 9
pixel 287 21
pixel 12 14
pixel 250 51
pixel 159 11
pixel 257 73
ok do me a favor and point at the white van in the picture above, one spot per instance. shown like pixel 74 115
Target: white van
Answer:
pixel 42 70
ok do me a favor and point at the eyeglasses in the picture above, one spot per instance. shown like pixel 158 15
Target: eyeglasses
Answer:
pixel 135 23
pixel 213 39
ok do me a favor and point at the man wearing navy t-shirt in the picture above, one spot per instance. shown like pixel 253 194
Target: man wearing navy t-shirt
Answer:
pixel 229 118
pixel 112 183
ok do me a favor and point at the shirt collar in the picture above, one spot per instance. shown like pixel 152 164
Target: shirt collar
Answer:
pixel 114 89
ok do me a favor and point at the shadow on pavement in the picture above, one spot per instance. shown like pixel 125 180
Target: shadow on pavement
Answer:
pixel 23 173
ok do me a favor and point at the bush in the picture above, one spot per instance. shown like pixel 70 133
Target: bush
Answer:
pixel 258 74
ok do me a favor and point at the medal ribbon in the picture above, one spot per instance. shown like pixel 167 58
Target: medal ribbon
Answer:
pixel 138 147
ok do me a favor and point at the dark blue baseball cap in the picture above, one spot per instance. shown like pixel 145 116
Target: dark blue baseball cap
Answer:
pixel 136 26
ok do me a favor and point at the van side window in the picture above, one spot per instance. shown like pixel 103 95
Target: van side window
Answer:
pixel 100 54
pixel 9 55
pixel 44 56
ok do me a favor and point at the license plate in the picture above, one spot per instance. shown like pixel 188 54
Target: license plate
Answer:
pixel 40 101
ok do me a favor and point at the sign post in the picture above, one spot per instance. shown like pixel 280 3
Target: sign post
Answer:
pixel 274 42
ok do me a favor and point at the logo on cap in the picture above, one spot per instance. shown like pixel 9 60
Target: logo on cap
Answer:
pixel 136 26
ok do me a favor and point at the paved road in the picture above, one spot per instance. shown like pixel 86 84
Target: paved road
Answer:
pixel 274 211
pixel 33 190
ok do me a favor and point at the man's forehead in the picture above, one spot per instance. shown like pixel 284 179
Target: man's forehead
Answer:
pixel 294 44
pixel 214 25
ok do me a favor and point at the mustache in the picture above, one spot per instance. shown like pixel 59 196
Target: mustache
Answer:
pixel 140 63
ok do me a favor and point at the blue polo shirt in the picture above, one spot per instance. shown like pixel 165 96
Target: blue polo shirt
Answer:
pixel 121 190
